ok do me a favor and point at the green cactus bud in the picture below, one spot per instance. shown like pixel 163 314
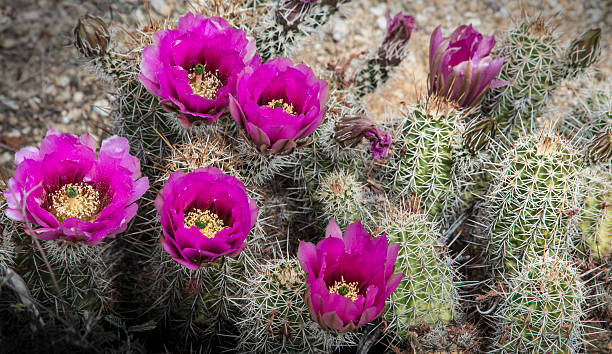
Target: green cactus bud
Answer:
pixel 585 49
pixel 91 36
pixel 479 133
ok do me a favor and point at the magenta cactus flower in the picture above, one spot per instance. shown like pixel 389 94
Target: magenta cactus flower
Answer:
pixel 460 68
pixel 278 104
pixel 70 194
pixel 350 131
pixel 204 214
pixel 193 68
pixel 349 278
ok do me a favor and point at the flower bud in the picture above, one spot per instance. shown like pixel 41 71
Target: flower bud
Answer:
pixel 91 36
pixel 399 29
pixel 600 148
pixel 350 131
pixel 290 13
pixel 585 49
pixel 479 133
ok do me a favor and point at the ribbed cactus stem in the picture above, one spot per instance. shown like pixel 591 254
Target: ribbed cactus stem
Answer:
pixel 427 294
pixel 341 197
pixel 534 68
pixel 543 309
pixel 422 164
pixel 533 203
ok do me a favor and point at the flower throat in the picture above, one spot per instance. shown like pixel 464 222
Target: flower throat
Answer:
pixel 204 83
pixel 208 223
pixel 75 200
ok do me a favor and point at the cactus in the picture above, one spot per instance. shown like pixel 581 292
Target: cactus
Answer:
pixel 427 294
pixel 83 275
pixel 533 201
pixel 7 244
pixel 543 308
pixel 422 164
pixel 596 215
pixel 276 319
pixel 341 196
pixel 534 68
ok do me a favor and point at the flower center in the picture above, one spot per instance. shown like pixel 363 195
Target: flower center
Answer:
pixel 280 103
pixel 348 290
pixel 208 223
pixel 204 83
pixel 75 200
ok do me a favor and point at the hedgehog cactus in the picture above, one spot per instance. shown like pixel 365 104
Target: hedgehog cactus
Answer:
pixel 533 203
pixel 342 198
pixel 543 308
pixel 596 215
pixel 427 295
pixel 424 156
pixel 534 69
pixel 276 318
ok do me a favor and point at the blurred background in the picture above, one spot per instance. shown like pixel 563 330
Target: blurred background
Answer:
pixel 43 85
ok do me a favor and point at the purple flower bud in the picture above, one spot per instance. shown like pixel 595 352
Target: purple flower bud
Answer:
pixel 460 68
pixel 399 29
pixel 290 13
pixel 71 193
pixel 91 36
pixel 585 49
pixel 350 131
pixel 350 276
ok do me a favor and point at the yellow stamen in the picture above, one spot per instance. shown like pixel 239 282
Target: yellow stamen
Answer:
pixel 75 200
pixel 287 107
pixel 208 223
pixel 348 290
pixel 204 83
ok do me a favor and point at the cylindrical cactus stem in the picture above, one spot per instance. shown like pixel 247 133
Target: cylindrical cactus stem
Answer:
pixel 542 309
pixel 427 294
pixel 422 163
pixel 275 317
pixel 83 275
pixel 200 304
pixel 534 68
pixel 281 29
pixel 596 215
pixel 533 204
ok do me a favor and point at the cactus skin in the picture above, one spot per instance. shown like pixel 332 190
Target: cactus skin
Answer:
pixel 596 215
pixel 534 67
pixel 7 245
pixel 427 294
pixel 422 163
pixel 533 200
pixel 542 310
pixel 275 317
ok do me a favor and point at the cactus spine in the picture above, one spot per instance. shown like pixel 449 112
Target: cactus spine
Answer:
pixel 533 201
pixel 534 68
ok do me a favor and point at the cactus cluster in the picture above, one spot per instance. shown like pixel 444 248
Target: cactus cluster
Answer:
pixel 282 217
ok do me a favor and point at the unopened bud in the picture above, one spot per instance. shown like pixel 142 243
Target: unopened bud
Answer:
pixel 479 133
pixel 91 36
pixel 585 49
